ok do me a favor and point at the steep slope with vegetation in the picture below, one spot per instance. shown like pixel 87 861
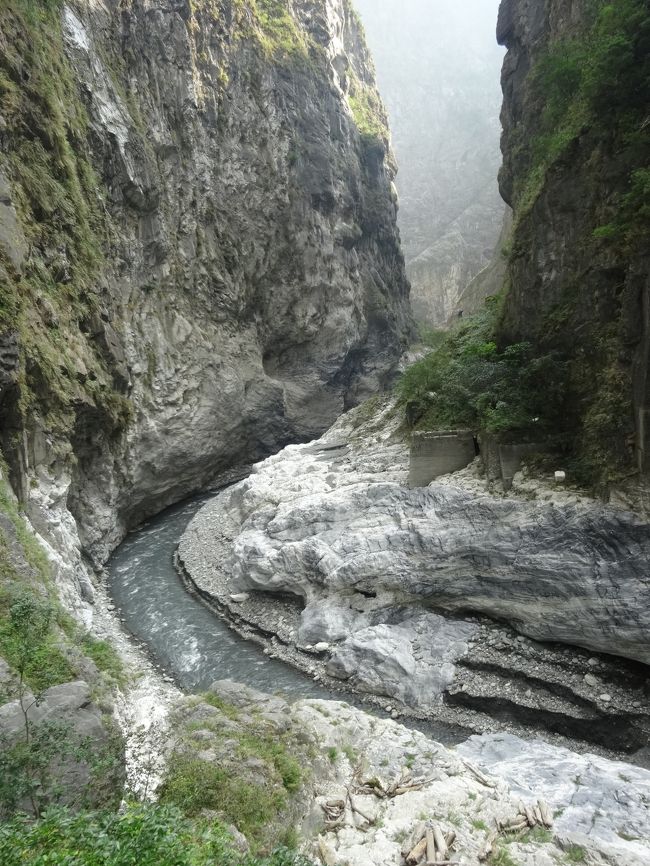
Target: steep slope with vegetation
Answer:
pixel 199 262
pixel 560 357
pixel 197 241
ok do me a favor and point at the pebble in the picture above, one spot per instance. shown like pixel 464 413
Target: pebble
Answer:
pixel 590 679
pixel 605 698
pixel 592 662
pixel 239 597
pixel 321 647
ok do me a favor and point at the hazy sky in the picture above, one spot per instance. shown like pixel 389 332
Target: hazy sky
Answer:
pixel 459 32
pixel 439 70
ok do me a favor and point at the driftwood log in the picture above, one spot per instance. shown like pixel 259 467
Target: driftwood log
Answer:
pixel 428 843
pixel 488 847
pixel 442 853
pixel 415 855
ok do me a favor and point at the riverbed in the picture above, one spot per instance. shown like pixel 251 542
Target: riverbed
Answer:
pixel 187 641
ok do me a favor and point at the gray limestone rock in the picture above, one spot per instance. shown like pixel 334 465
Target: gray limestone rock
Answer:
pixel 85 765
pixel 9 361
pixel 557 572
pixel 594 801
pixel 273 710
pixel 412 660
pixel 369 556
pixel 254 286
pixel 328 620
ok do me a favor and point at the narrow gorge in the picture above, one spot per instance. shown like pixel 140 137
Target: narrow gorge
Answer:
pixel 286 578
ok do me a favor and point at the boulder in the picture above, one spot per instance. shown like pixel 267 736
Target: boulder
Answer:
pixel 83 763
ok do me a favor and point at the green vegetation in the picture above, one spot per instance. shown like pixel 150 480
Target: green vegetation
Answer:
pixel 28 616
pixel 430 337
pixel 468 381
pixel 218 703
pixel 280 29
pixel 631 224
pixel 333 754
pixel 29 768
pixel 29 645
pixel 271 22
pixel 194 785
pixel 142 834
pixel 575 404
pixel 539 835
pixel 252 801
pixel 575 854
pixel 477 824
pixel 105 657
pixel 502 857
pixel 31 550
pixel 37 639
pixel 29 758
pixel 267 747
pixel 368 112
pixel 55 190
pixel 596 81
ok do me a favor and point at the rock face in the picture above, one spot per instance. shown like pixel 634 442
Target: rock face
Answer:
pixel 216 268
pixel 574 163
pixel 376 569
pixel 330 524
pixel 78 754
pixel 583 791
pixel 490 280
pixel 438 68
pixel 342 812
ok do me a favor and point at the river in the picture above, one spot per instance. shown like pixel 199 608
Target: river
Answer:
pixel 189 642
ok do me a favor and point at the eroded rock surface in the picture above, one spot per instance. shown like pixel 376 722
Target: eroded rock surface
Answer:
pixel 335 527
pixel 78 761
pixel 372 784
pixel 247 284
pixel 591 798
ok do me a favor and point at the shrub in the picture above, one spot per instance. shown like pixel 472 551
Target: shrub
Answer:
pixel 469 381
pixel 193 785
pixel 105 657
pixel 598 80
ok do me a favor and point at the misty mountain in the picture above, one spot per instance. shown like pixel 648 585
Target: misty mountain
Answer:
pixel 438 68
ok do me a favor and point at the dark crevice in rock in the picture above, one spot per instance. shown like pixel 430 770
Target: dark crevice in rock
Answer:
pixel 611 732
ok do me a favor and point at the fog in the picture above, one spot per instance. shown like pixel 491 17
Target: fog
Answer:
pixel 438 68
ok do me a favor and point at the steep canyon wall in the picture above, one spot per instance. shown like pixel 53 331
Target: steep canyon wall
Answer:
pixel 576 83
pixel 199 259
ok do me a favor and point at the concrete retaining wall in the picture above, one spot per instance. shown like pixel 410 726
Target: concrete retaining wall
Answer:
pixel 503 460
pixel 439 452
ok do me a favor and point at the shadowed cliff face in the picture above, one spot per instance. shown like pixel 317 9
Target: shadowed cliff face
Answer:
pixel 576 149
pixel 198 239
